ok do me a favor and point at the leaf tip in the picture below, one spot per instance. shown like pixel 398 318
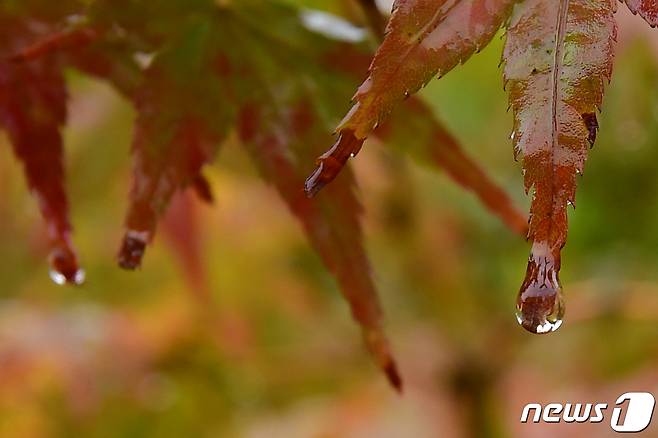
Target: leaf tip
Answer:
pixel 64 268
pixel 393 376
pixel 132 250
pixel 332 162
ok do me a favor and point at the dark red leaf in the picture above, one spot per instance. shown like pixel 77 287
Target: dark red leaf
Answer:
pixel 33 100
pixel 331 221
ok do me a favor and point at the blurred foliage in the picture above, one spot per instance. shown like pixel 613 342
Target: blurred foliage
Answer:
pixel 274 355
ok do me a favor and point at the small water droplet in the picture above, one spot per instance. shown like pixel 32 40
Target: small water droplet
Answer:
pixel 144 59
pixel 540 305
pixel 64 267
pixel 512 135
pixel 60 279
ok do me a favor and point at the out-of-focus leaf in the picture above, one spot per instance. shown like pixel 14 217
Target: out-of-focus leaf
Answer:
pixel 181 120
pixel 183 232
pixel 281 128
pixel 33 100
pixel 423 38
pixel 647 9
pixel 432 144
pixel 558 59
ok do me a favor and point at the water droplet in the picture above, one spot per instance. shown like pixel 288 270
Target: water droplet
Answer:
pixel 512 135
pixel 144 59
pixel 64 267
pixel 61 279
pixel 540 305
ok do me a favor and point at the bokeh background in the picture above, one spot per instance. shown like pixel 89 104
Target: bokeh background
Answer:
pixel 233 328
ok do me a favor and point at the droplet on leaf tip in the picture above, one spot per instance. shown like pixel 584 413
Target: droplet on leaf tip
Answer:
pixel 64 267
pixel 540 306
pixel 77 278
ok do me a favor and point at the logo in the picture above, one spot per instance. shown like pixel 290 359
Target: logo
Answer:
pixel 632 412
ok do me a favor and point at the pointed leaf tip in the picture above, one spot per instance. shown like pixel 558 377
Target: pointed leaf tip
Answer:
pixel 647 9
pixel 203 189
pixel 378 346
pixel 332 162
pixel 132 250
pixel 393 376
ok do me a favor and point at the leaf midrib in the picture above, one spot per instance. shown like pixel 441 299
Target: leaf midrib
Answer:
pixel 560 33
pixel 438 17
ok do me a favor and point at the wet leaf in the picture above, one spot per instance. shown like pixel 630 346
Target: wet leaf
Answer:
pixel 423 38
pixel 33 100
pixel 430 144
pixel 558 59
pixel 179 126
pixel 647 9
pixel 282 129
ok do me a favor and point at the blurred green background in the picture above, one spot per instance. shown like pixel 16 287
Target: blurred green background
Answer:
pixel 277 354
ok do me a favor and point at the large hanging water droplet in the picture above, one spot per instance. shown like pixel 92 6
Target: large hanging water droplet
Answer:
pixel 64 267
pixel 540 305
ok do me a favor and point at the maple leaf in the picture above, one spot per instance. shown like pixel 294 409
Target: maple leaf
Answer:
pixel 178 129
pixel 647 9
pixel 280 129
pixel 423 38
pixel 557 63
pixel 33 100
pixel 281 87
